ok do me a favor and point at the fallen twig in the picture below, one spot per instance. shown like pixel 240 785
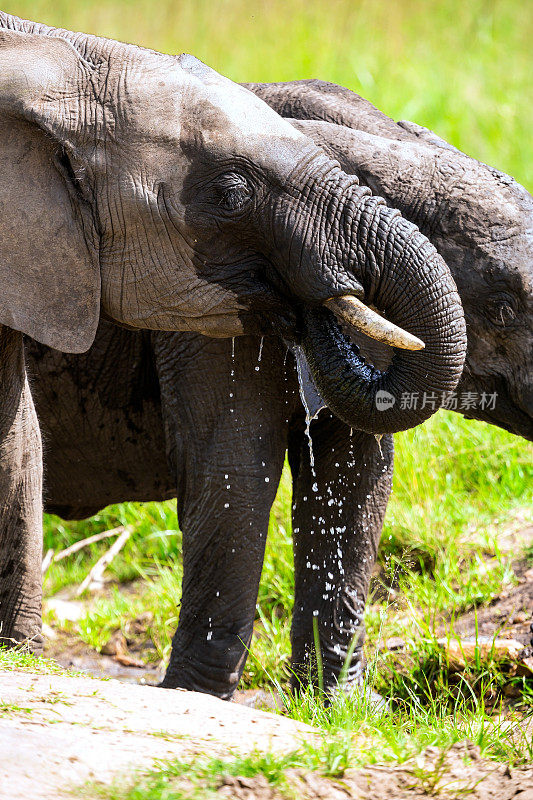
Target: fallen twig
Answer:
pixel 47 560
pixel 96 573
pixel 96 537
pixel 51 557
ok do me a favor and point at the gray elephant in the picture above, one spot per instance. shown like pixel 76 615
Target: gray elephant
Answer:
pixel 151 191
pixel 151 415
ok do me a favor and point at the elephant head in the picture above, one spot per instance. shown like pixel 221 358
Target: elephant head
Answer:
pixel 481 222
pixel 177 200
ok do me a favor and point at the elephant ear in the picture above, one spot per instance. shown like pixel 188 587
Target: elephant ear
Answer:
pixel 49 270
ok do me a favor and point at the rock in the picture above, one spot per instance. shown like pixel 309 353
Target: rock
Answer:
pixel 395 643
pixel 94 730
pixel 461 652
pixel 115 645
pixel 65 610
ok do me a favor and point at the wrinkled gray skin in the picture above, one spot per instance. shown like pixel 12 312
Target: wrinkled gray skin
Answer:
pixel 145 416
pixel 152 189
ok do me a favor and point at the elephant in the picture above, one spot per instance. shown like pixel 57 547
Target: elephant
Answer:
pixel 148 416
pixel 149 190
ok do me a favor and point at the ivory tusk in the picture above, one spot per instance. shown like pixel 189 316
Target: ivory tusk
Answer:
pixel 355 313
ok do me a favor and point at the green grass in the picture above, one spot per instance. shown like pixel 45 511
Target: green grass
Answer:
pixel 21 660
pixel 199 779
pixel 155 537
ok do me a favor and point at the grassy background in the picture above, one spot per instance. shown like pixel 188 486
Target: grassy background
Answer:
pixel 462 69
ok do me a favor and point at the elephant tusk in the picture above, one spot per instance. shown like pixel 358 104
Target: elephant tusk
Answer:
pixel 355 313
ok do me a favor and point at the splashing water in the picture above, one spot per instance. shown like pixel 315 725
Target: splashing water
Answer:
pixel 260 354
pixel 312 402
pixel 232 374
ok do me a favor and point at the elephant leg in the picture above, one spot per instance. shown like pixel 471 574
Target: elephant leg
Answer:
pixel 338 511
pixel 20 500
pixel 229 447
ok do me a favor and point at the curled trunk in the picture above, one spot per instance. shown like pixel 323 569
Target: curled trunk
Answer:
pixel 405 278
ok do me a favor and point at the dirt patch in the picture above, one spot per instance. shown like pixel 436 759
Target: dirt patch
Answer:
pixel 456 773
pixel 70 652
pixel 509 615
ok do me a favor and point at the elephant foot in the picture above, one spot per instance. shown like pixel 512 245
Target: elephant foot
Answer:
pixel 30 640
pixel 365 697
pixel 20 614
pixel 208 664
pixel 182 679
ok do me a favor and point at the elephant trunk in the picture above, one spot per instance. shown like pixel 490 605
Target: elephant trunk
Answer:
pixel 403 276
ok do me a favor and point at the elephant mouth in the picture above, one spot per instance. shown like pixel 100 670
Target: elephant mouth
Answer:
pixel 500 409
pixel 353 314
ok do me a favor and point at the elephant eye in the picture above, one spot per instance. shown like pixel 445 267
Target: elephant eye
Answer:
pixel 501 312
pixel 234 192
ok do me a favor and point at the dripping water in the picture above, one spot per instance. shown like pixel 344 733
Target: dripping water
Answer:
pixel 308 420
pixel 260 354
pixel 312 403
pixel 232 375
